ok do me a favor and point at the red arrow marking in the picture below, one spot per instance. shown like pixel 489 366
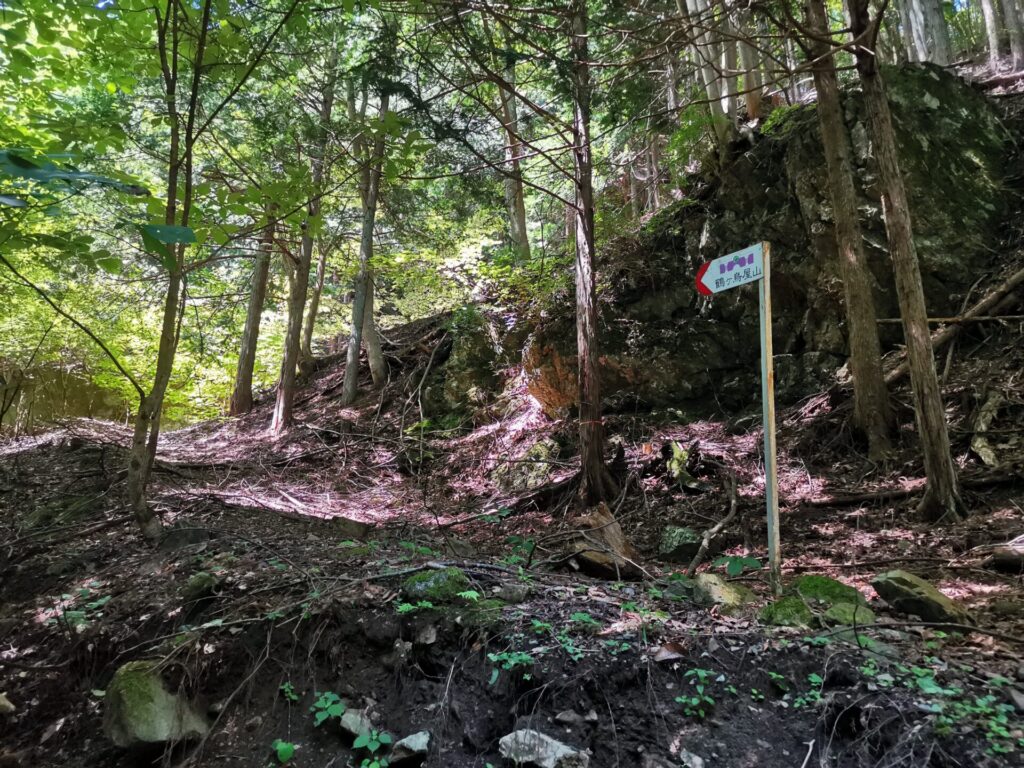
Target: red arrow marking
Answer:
pixel 701 288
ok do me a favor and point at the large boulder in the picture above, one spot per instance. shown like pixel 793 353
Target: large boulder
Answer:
pixel 911 594
pixel 664 345
pixel 138 709
pixel 712 590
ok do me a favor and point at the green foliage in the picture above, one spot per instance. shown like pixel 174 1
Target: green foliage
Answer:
pixel 735 565
pixel 509 660
pixel 289 692
pixel 283 750
pixel 700 703
pixel 372 741
pixel 327 705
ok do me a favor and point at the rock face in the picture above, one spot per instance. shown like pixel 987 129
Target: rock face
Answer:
pixel 138 709
pixel 679 545
pixel 663 345
pixel 531 747
pixel 908 593
pixel 411 749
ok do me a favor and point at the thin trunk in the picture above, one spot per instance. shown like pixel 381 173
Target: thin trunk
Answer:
pixel 371 338
pixel 241 397
pixel 942 495
pixel 371 190
pixel 705 53
pixel 751 60
pixel 931 36
pixel 907 28
pixel 515 197
pixel 730 65
pixel 871 398
pixel 306 350
pixel 654 194
pixel 990 10
pixel 1013 13
pixel 636 202
pixel 299 285
pixel 596 482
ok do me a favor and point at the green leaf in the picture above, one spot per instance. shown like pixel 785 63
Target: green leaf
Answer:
pixel 361 741
pixel 169 233
pixel 285 750
pixel 12 202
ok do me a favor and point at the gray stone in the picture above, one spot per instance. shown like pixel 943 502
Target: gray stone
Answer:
pixel 356 721
pixel 710 589
pixel 849 614
pixel 534 748
pixel 679 544
pixel 138 709
pixel 690 760
pixel 911 594
pixel 570 717
pixel 511 592
pixel 411 748
pixel 6 707
pixel 199 585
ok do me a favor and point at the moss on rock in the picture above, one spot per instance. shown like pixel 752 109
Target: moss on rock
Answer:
pixel 138 709
pixel 437 586
pixel 826 592
pixel 849 614
pixel 789 611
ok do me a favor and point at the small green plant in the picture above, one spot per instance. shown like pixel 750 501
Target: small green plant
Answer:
pixel 288 691
pixel 540 627
pixel 498 516
pixel 509 660
pixel 417 549
pixel 737 564
pixel 700 703
pixel 283 750
pixel 470 595
pixel 584 618
pixel 522 550
pixel 372 740
pixel 419 605
pixel 756 695
pixel 327 705
pixel 813 696
pixel 575 652
pixel 615 647
pixel 779 681
pixel 817 640
pixel 377 761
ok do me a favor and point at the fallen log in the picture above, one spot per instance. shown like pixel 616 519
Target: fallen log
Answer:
pixel 998 300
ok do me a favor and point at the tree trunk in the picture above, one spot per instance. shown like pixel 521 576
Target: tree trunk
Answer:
pixel 299 284
pixel 942 495
pixel 706 54
pixel 1013 13
pixel 371 189
pixel 371 338
pixel 241 397
pixel 990 11
pixel 907 29
pixel 306 350
pixel 750 57
pixel 596 482
pixel 730 64
pixel 515 197
pixel 930 31
pixel 870 396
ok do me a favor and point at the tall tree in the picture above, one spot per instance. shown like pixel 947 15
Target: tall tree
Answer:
pixel 990 11
pixel 871 398
pixel 942 495
pixel 241 396
pixel 1013 13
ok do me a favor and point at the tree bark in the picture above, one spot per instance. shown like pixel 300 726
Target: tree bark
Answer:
pixel 932 34
pixel 706 53
pixel 371 338
pixel 596 481
pixel 750 58
pixel 870 396
pixel 241 397
pixel 1013 13
pixel 942 495
pixel 309 322
pixel 907 30
pixel 515 197
pixel 371 175
pixel 299 285
pixel 990 10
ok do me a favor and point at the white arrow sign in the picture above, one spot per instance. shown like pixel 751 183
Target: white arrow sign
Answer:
pixel 736 269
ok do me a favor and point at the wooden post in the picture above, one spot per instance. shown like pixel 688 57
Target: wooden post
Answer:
pixel 771 477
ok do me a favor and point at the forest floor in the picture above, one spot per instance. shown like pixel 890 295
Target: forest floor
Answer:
pixel 302 544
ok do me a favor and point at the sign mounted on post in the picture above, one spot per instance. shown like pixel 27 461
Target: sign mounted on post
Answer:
pixel 751 265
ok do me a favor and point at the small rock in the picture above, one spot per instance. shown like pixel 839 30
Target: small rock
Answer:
pixel 690 760
pixel 138 709
pixel 826 591
pixel 6 707
pixel 657 761
pixel 1020 673
pixel 356 722
pixel 908 593
pixel 789 611
pixel 710 589
pixel 411 748
pixel 427 635
pixel 438 586
pixel 678 544
pixel 399 655
pixel 849 614
pixel 511 592
pixel 1017 697
pixel 199 585
pixel 529 746
pixel 591 716
pixel 569 717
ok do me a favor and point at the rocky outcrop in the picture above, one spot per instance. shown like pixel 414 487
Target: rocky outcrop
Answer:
pixel 911 594
pixel 529 747
pixel 664 345
pixel 138 709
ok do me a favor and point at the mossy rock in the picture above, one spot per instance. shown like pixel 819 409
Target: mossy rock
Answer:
pixel 826 592
pixel 911 594
pixel 529 471
pixel 440 586
pixel 199 585
pixel 138 709
pixel 709 589
pixel 679 544
pixel 789 611
pixel 849 614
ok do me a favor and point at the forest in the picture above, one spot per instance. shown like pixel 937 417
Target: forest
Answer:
pixel 480 383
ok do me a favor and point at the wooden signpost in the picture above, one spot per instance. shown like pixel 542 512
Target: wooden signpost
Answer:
pixel 750 265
